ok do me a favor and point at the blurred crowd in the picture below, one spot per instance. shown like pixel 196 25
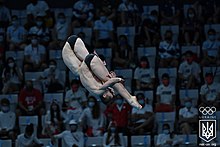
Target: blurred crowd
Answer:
pixel 171 48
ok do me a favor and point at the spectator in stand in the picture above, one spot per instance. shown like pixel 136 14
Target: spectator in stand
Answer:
pixel 41 31
pixel 170 12
pixel 54 120
pixel 144 75
pixel 34 9
pixel 92 118
pixel 112 137
pixel 60 32
pixel 16 35
pixel 51 78
pixel 12 77
pixel 165 95
pixel 34 55
pixel 104 32
pixel 5 16
pixel 211 50
pixel 1 66
pixel 189 72
pixel 7 120
pixel 108 8
pixel 72 137
pixel 210 92
pixel 149 31
pixel 192 28
pixel 188 117
pixel 28 139
pixel 75 99
pixel 128 13
pixel 119 112
pixel 123 53
pixel 168 51
pixel 143 119
pixel 30 100
pixel 82 13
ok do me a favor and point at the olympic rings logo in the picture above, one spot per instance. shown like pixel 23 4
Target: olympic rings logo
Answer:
pixel 207 110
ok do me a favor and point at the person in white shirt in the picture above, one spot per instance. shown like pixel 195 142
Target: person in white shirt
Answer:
pixel 60 32
pixel 210 92
pixel 189 72
pixel 112 137
pixel 16 35
pixel 104 31
pixel 142 120
pixel 93 118
pixel 28 138
pixel 211 49
pixel 7 120
pixel 36 8
pixel 188 117
pixel 168 51
pixel 128 11
pixel 144 75
pixel 34 55
pixel 5 16
pixel 72 137
pixel 94 76
pixel 166 95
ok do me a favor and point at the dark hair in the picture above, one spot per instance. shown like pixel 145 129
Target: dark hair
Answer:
pixel 75 81
pixel 61 14
pixel 29 128
pixel 169 31
pixel 7 68
pixel 166 125
pixel 140 95
pixel 189 53
pixel 52 60
pixel 95 109
pixel 194 12
pixel 211 31
pixel 14 17
pixel 5 101
pixel 52 112
pixel 165 75
pixel 144 58
pixel 209 74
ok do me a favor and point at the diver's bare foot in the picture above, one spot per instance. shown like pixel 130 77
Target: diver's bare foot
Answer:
pixel 134 103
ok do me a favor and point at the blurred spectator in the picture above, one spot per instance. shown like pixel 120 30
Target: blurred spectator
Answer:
pixel 191 28
pixel 16 35
pixel 34 55
pixel 5 16
pixel 12 77
pixel 112 137
pixel 104 32
pixel 72 137
pixel 211 49
pixel 166 95
pixel 119 112
pixel 82 13
pixel 92 119
pixel 7 120
pixel 51 78
pixel 33 9
pixel 167 138
pixel 189 72
pixel 188 117
pixel 128 13
pixel 54 120
pixel 28 138
pixel 210 92
pixel 168 51
pixel 108 8
pixel 60 32
pixel 1 66
pixel 144 75
pixel 75 100
pixel 41 31
pixel 123 53
pixel 170 12
pixel 30 100
pixel 143 119
pixel 149 31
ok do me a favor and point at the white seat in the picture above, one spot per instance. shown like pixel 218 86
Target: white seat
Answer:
pixel 147 9
pixel 188 140
pixel 50 97
pixel 67 11
pixel 26 120
pixel 149 52
pixel 185 9
pixel 173 28
pixel 216 27
pixel 34 76
pixel 22 15
pixel 72 76
pixel 87 31
pixel 5 143
pixel 129 32
pixel 17 55
pixel 138 141
pixel 189 93
pixel 94 141
pixel 107 53
pixel 47 142
pixel 194 49
pixel 13 98
pixel 57 56
pixel 165 117
pixel 172 73
pixel 127 74
pixel 148 94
